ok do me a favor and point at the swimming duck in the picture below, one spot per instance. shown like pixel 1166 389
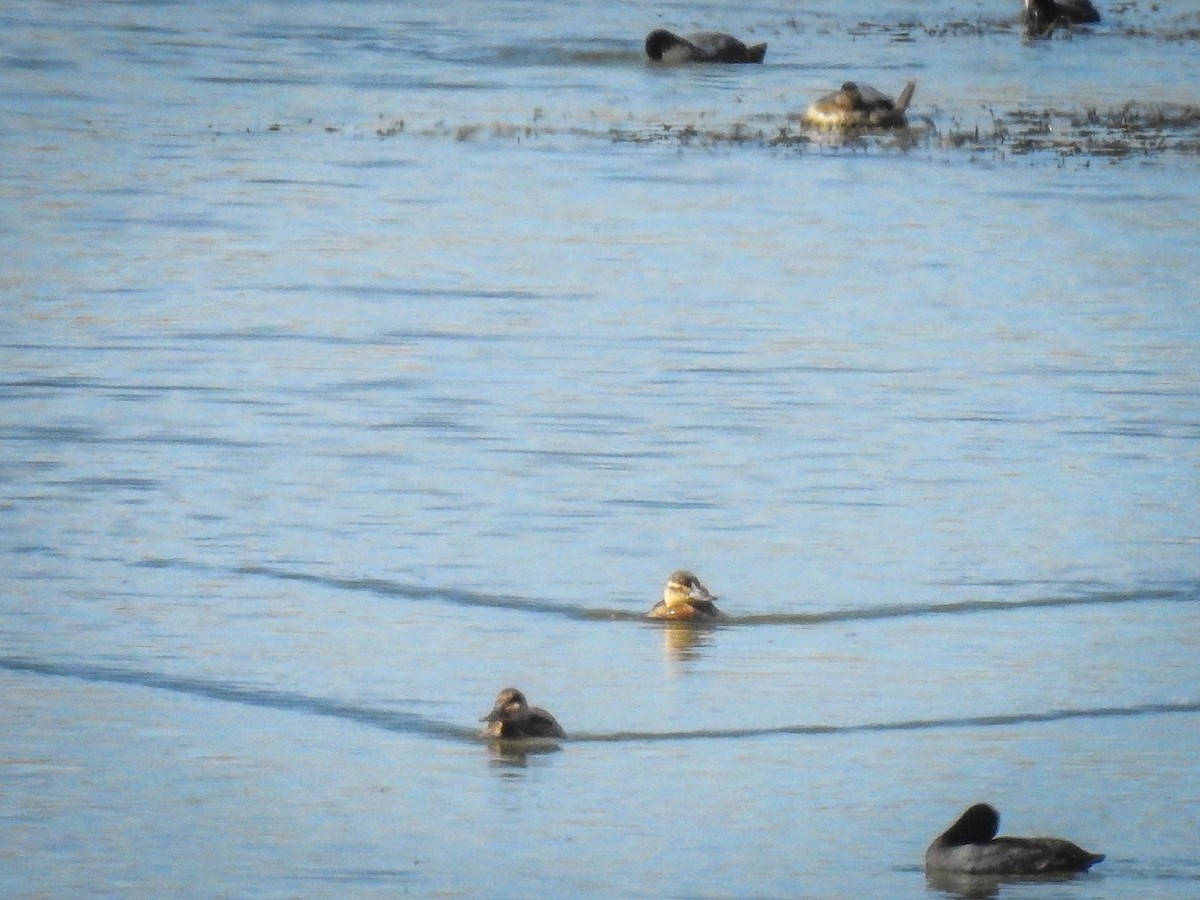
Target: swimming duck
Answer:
pixel 860 106
pixel 1041 17
pixel 685 597
pixel 701 47
pixel 513 717
pixel 970 847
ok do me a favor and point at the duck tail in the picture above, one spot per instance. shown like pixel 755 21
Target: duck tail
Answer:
pixel 906 96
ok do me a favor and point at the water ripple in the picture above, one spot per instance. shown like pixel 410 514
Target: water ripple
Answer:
pixel 411 723
pixel 1188 593
pixel 286 701
pixel 952 722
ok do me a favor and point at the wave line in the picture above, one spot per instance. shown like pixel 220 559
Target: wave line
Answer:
pixel 389 720
pixel 285 701
pixel 953 722
pixel 477 599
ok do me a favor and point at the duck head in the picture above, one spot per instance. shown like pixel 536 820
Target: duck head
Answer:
pixel 510 706
pixel 683 588
pixel 977 825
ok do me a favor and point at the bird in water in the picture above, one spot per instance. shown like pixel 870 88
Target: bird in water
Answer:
pixel 685 597
pixel 513 717
pixel 1042 17
pixel 970 847
pixel 860 106
pixel 701 47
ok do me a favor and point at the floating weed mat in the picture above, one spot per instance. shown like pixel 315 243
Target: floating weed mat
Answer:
pixel 1129 130
pixel 908 32
pixel 1128 19
pixel 691 134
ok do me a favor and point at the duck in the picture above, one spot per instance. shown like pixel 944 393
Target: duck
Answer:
pixel 701 47
pixel 860 106
pixel 513 717
pixel 1041 17
pixel 685 597
pixel 970 847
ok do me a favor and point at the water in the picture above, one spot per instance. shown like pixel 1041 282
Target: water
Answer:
pixel 361 360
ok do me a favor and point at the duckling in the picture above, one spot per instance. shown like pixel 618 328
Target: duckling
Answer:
pixel 1041 17
pixel 970 847
pixel 685 597
pixel 513 717
pixel 701 47
pixel 860 106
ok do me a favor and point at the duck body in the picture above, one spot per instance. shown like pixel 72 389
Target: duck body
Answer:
pixel 970 847
pixel 701 47
pixel 513 717
pixel 686 598
pixel 860 106
pixel 1041 17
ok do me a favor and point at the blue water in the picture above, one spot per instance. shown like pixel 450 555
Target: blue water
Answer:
pixel 362 359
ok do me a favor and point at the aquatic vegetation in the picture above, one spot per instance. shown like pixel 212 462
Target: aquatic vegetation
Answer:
pixel 1131 129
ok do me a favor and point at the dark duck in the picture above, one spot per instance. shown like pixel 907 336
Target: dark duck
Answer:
pixel 970 847
pixel 1042 17
pixel 513 717
pixel 701 47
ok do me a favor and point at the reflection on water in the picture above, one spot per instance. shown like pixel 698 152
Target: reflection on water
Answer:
pixel 516 753
pixel 1084 595
pixel 684 641
pixel 981 887
pixel 968 887
pixel 407 722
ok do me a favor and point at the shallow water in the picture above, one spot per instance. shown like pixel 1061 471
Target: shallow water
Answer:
pixel 361 360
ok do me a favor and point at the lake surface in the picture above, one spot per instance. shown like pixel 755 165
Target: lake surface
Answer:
pixel 361 359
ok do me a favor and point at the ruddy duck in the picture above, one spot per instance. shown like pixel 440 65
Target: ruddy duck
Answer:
pixel 685 597
pixel 513 717
pixel 1041 17
pixel 701 47
pixel 970 847
pixel 860 106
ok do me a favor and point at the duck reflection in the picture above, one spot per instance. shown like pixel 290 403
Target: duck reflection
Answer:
pixel 515 754
pixel 684 641
pixel 966 887
pixel 984 887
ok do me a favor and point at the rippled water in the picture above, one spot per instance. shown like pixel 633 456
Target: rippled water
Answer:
pixel 361 359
